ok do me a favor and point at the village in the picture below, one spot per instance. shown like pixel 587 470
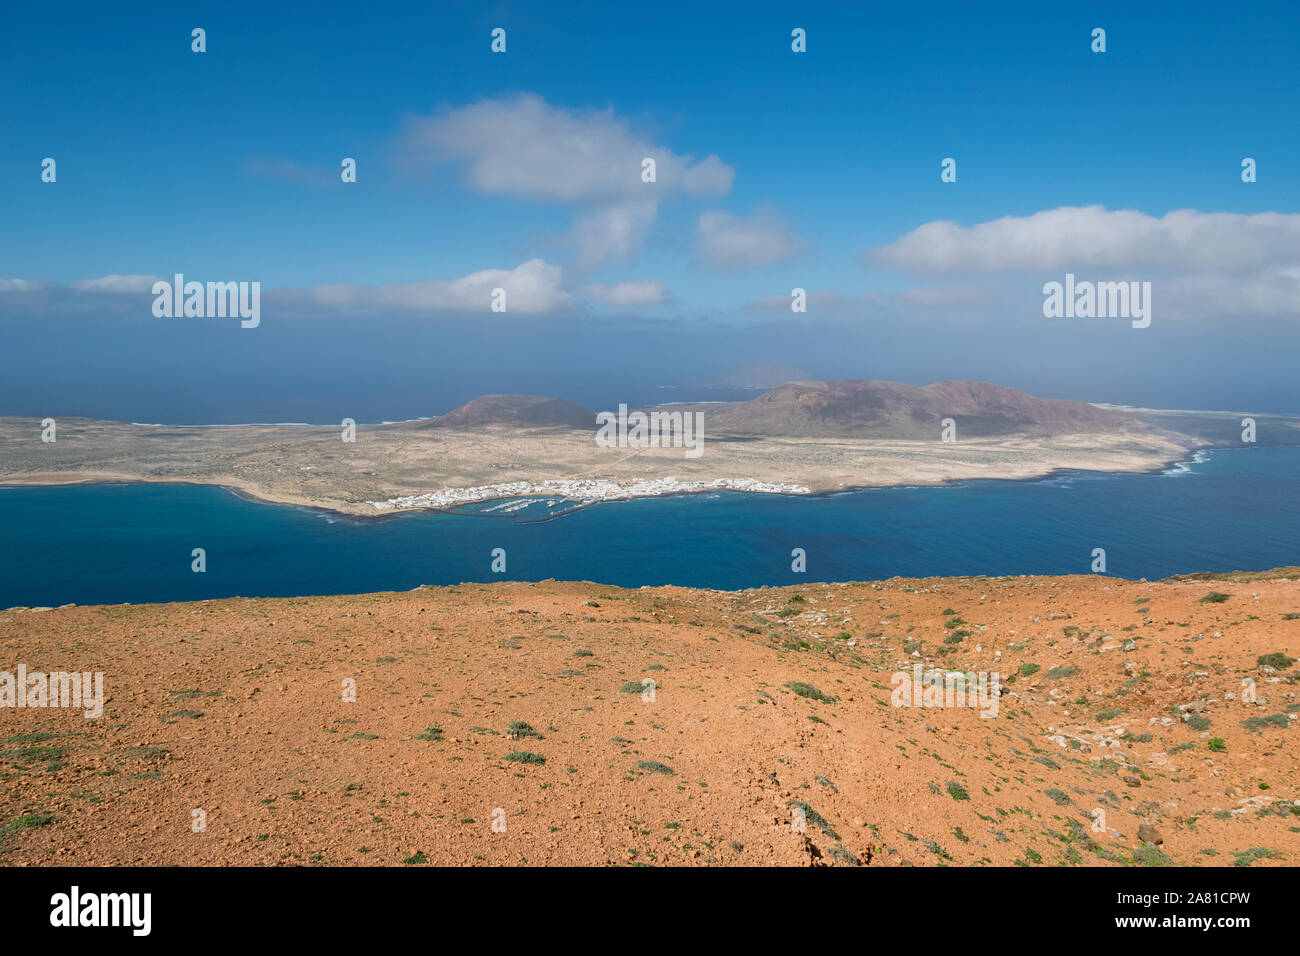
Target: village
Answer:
pixel 585 490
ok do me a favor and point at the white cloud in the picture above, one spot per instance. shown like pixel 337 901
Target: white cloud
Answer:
pixel 629 294
pixel 612 233
pixel 1081 237
pixel 532 287
pixel 730 243
pixel 22 285
pixel 115 284
pixel 1201 265
pixel 524 147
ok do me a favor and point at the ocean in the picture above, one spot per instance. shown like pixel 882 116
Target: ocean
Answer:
pixel 108 544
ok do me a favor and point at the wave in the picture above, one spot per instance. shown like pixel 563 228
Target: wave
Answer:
pixel 1180 468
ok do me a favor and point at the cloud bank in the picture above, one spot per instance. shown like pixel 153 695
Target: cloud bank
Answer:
pixel 1202 265
pixel 1078 237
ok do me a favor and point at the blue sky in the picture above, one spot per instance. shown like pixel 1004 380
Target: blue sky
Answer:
pixel 224 166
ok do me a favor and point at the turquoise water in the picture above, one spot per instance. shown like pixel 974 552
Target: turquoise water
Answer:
pixel 113 543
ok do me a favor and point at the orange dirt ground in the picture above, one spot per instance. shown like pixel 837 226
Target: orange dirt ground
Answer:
pixel 236 707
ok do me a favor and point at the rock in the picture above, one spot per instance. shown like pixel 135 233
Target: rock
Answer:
pixel 1149 834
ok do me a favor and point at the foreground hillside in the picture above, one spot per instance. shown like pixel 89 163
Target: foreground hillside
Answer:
pixel 524 705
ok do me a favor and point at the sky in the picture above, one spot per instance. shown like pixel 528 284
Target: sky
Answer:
pixel 523 170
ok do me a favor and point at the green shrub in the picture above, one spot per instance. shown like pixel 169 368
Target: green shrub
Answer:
pixel 1247 857
pixel 1256 724
pixel 1277 661
pixel 524 756
pixel 840 855
pixel 30 821
pixel 809 691
pixel 518 730
pixel 1151 855
pixel 812 816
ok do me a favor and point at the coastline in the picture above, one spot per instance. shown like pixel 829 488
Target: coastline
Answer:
pixel 140 540
pixel 366 513
pixel 413 467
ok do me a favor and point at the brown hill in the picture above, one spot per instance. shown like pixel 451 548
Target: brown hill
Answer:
pixel 871 409
pixel 515 410
pixel 849 408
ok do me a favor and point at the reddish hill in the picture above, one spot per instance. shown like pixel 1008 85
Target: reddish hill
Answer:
pixel 515 410
pixel 858 408
pixel 874 409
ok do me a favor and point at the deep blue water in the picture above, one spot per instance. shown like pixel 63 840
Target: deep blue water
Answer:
pixel 113 543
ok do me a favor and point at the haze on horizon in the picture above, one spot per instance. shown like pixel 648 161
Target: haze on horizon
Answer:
pixel 776 170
